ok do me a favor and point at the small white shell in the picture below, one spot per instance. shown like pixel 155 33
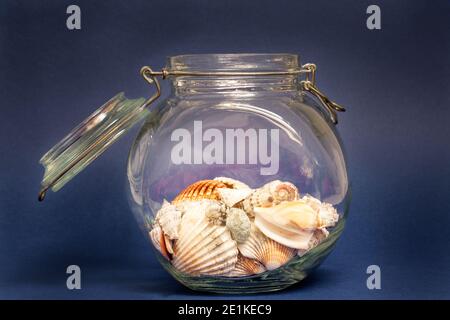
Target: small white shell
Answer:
pixel 270 253
pixel 169 218
pixel 204 248
pixel 239 224
pixel 233 196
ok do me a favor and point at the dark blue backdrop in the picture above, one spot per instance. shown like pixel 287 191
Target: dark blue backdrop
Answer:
pixel 394 83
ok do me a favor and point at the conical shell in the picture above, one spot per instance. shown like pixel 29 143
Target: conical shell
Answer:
pixel 270 194
pixel 169 218
pixel 204 248
pixel 263 249
pixel 203 189
pixel 158 240
pixel 328 215
pixel 246 267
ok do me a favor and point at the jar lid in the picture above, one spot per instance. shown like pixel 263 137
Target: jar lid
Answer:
pixel 89 140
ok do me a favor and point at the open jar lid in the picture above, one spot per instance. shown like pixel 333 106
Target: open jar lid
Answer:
pixel 89 140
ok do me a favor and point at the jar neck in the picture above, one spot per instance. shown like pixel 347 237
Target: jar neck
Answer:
pixel 231 84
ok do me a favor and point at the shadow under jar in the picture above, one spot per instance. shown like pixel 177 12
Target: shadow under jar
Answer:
pixel 238 178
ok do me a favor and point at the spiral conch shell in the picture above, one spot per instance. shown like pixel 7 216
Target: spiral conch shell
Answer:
pixel 246 267
pixel 270 194
pixel 204 248
pixel 293 223
pixel 263 249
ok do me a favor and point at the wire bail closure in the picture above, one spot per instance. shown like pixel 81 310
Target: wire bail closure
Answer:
pixel 308 85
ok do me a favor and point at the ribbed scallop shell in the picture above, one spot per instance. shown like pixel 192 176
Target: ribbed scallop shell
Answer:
pixel 205 249
pixel 203 189
pixel 270 253
pixel 246 267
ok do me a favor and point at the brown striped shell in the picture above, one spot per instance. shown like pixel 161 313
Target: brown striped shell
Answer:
pixel 203 189
pixel 265 250
pixel 246 267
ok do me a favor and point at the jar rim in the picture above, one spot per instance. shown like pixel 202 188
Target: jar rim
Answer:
pixel 272 62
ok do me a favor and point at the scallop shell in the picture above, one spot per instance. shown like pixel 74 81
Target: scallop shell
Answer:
pixel 263 249
pixel 270 194
pixel 232 183
pixel 246 267
pixel 169 218
pixel 203 189
pixel 204 248
pixel 158 240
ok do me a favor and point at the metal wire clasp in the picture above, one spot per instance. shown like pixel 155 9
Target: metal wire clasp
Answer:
pixel 149 76
pixel 309 85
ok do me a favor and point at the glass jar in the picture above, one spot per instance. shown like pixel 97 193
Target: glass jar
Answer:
pixel 238 178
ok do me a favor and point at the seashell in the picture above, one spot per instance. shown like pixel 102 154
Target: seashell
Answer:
pixel 214 211
pixel 327 212
pixel 233 196
pixel 204 248
pixel 318 236
pixel 239 224
pixel 265 250
pixel 169 218
pixel 232 183
pixel 203 189
pixel 158 240
pixel 292 223
pixel 282 191
pixel 270 194
pixel 246 267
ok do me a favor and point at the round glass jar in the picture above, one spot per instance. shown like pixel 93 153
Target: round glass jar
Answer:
pixel 238 178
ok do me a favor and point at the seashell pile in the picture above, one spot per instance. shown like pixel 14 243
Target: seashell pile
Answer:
pixel 222 227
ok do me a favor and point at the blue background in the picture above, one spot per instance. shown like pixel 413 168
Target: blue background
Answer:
pixel 394 83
